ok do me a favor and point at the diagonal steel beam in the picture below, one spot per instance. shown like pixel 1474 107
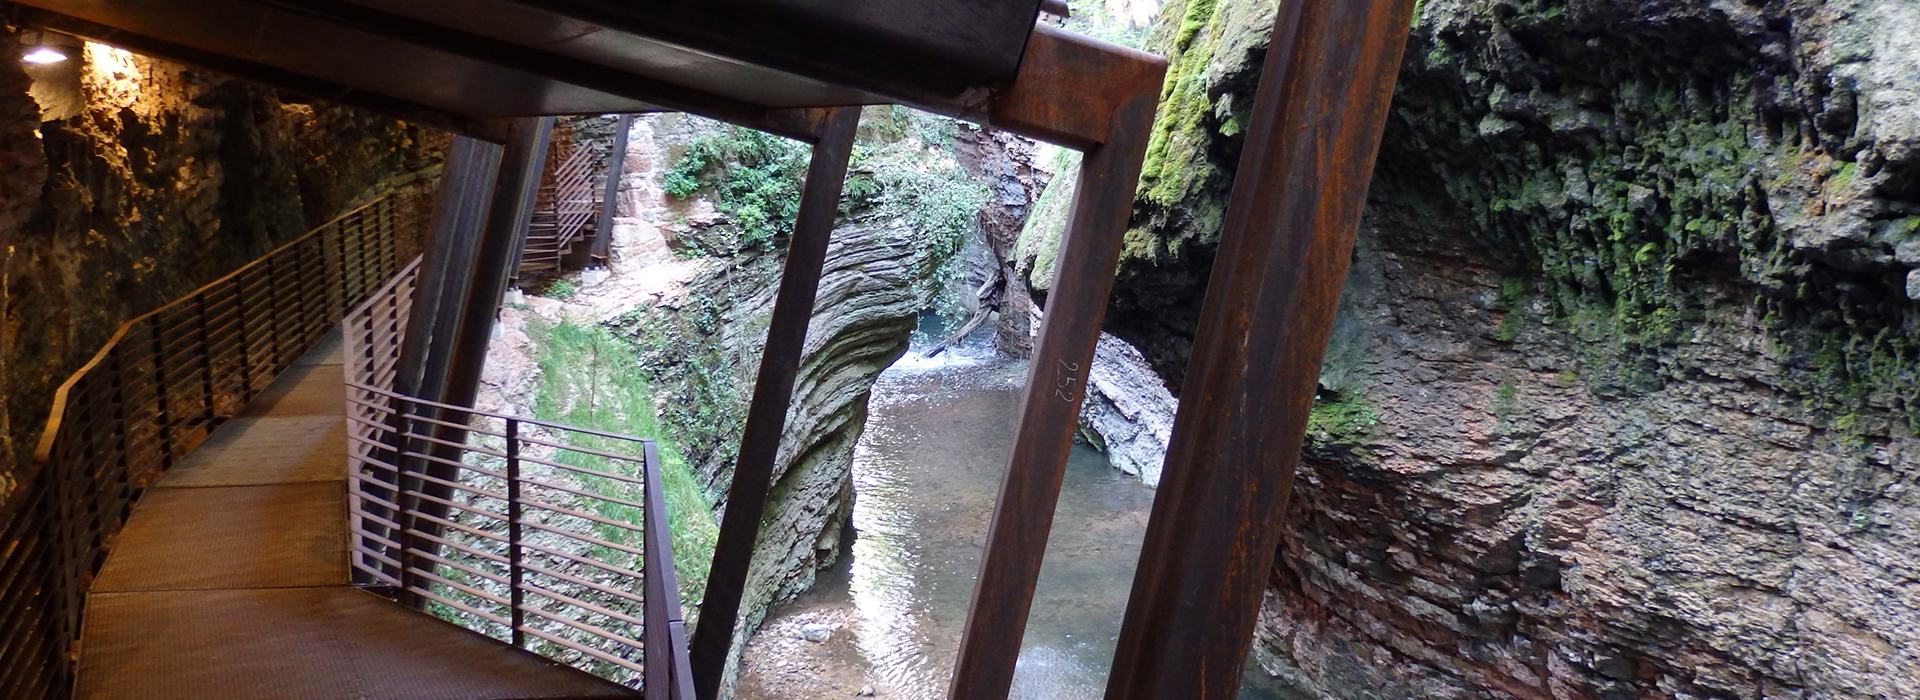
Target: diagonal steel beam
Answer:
pixel 772 394
pixel 1288 235
pixel 1050 411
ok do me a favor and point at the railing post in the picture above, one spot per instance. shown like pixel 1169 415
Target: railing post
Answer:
pixel 163 394
pixel 206 355
pixel 515 571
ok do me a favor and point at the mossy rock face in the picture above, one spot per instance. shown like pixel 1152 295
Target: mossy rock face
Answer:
pixel 1638 163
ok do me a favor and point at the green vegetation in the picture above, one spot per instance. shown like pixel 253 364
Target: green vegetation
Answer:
pixel 755 179
pixel 902 167
pixel 561 289
pixel 591 378
pixel 1343 420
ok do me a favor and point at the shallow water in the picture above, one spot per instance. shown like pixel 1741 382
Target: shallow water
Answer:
pixel 925 477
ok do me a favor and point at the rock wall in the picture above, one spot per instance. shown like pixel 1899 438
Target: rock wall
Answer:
pixel 1621 401
pixel 162 179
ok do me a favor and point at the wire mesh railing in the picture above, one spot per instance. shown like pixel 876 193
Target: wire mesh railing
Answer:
pixel 161 383
pixel 548 537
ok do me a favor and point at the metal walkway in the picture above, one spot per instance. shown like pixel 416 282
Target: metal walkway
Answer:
pixel 230 581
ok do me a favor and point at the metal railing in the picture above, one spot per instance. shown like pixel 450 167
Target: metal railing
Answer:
pixel 548 537
pixel 162 382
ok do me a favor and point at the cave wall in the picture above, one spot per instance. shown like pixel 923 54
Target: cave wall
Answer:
pixel 161 180
pixel 1621 400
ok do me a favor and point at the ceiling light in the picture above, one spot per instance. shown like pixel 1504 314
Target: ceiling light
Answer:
pixel 44 54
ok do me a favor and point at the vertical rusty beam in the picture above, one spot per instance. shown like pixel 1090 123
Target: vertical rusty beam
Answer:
pixel 505 235
pixel 772 393
pixel 616 169
pixel 1056 383
pixel 471 331
pixel 1289 231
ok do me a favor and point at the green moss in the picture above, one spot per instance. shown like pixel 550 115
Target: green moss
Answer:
pixel 1345 420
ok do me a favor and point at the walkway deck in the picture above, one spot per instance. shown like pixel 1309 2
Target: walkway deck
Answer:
pixel 230 581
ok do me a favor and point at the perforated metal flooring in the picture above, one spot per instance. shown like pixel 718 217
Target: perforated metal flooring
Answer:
pixel 230 582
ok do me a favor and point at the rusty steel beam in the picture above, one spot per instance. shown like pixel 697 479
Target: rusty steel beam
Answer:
pixel 1056 383
pixel 1068 90
pixel 493 130
pixel 546 64
pixel 465 328
pixel 1289 231
pixel 772 394
pixel 616 170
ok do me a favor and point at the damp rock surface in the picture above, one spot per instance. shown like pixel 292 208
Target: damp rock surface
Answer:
pixel 1621 398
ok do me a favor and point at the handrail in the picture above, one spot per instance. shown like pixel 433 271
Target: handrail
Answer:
pixel 545 536
pixel 159 385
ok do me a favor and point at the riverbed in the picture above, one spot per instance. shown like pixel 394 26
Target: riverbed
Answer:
pixel 886 620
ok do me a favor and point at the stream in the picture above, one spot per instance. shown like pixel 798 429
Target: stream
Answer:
pixel 886 619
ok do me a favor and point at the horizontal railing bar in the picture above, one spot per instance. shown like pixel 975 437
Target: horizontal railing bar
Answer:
pixel 587 494
pixel 377 445
pixel 590 651
pixel 525 421
pixel 449 602
pixel 578 603
pixel 580 559
pixel 606 634
pixel 603 520
pixel 450 583
pixel 583 538
pixel 584 470
pixel 500 579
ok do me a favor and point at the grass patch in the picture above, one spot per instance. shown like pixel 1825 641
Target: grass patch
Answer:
pixel 593 379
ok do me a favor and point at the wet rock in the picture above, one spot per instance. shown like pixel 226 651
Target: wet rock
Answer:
pixel 815 633
pixel 1128 413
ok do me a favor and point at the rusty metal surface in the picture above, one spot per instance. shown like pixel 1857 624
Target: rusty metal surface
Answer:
pixel 262 536
pixel 772 394
pixel 1070 87
pixel 1287 239
pixel 1050 410
pixel 940 50
pixel 321 643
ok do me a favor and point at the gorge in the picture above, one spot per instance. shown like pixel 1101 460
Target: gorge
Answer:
pixel 1620 403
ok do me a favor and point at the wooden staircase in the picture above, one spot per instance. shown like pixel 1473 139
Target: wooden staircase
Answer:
pixel 564 213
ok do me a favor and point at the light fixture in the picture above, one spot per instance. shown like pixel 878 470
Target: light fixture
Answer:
pixel 41 53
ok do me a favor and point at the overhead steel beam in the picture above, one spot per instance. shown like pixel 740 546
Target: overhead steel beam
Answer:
pixel 1069 88
pixel 1050 411
pixel 1288 235
pixel 772 394
pixel 493 130
pixel 545 64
